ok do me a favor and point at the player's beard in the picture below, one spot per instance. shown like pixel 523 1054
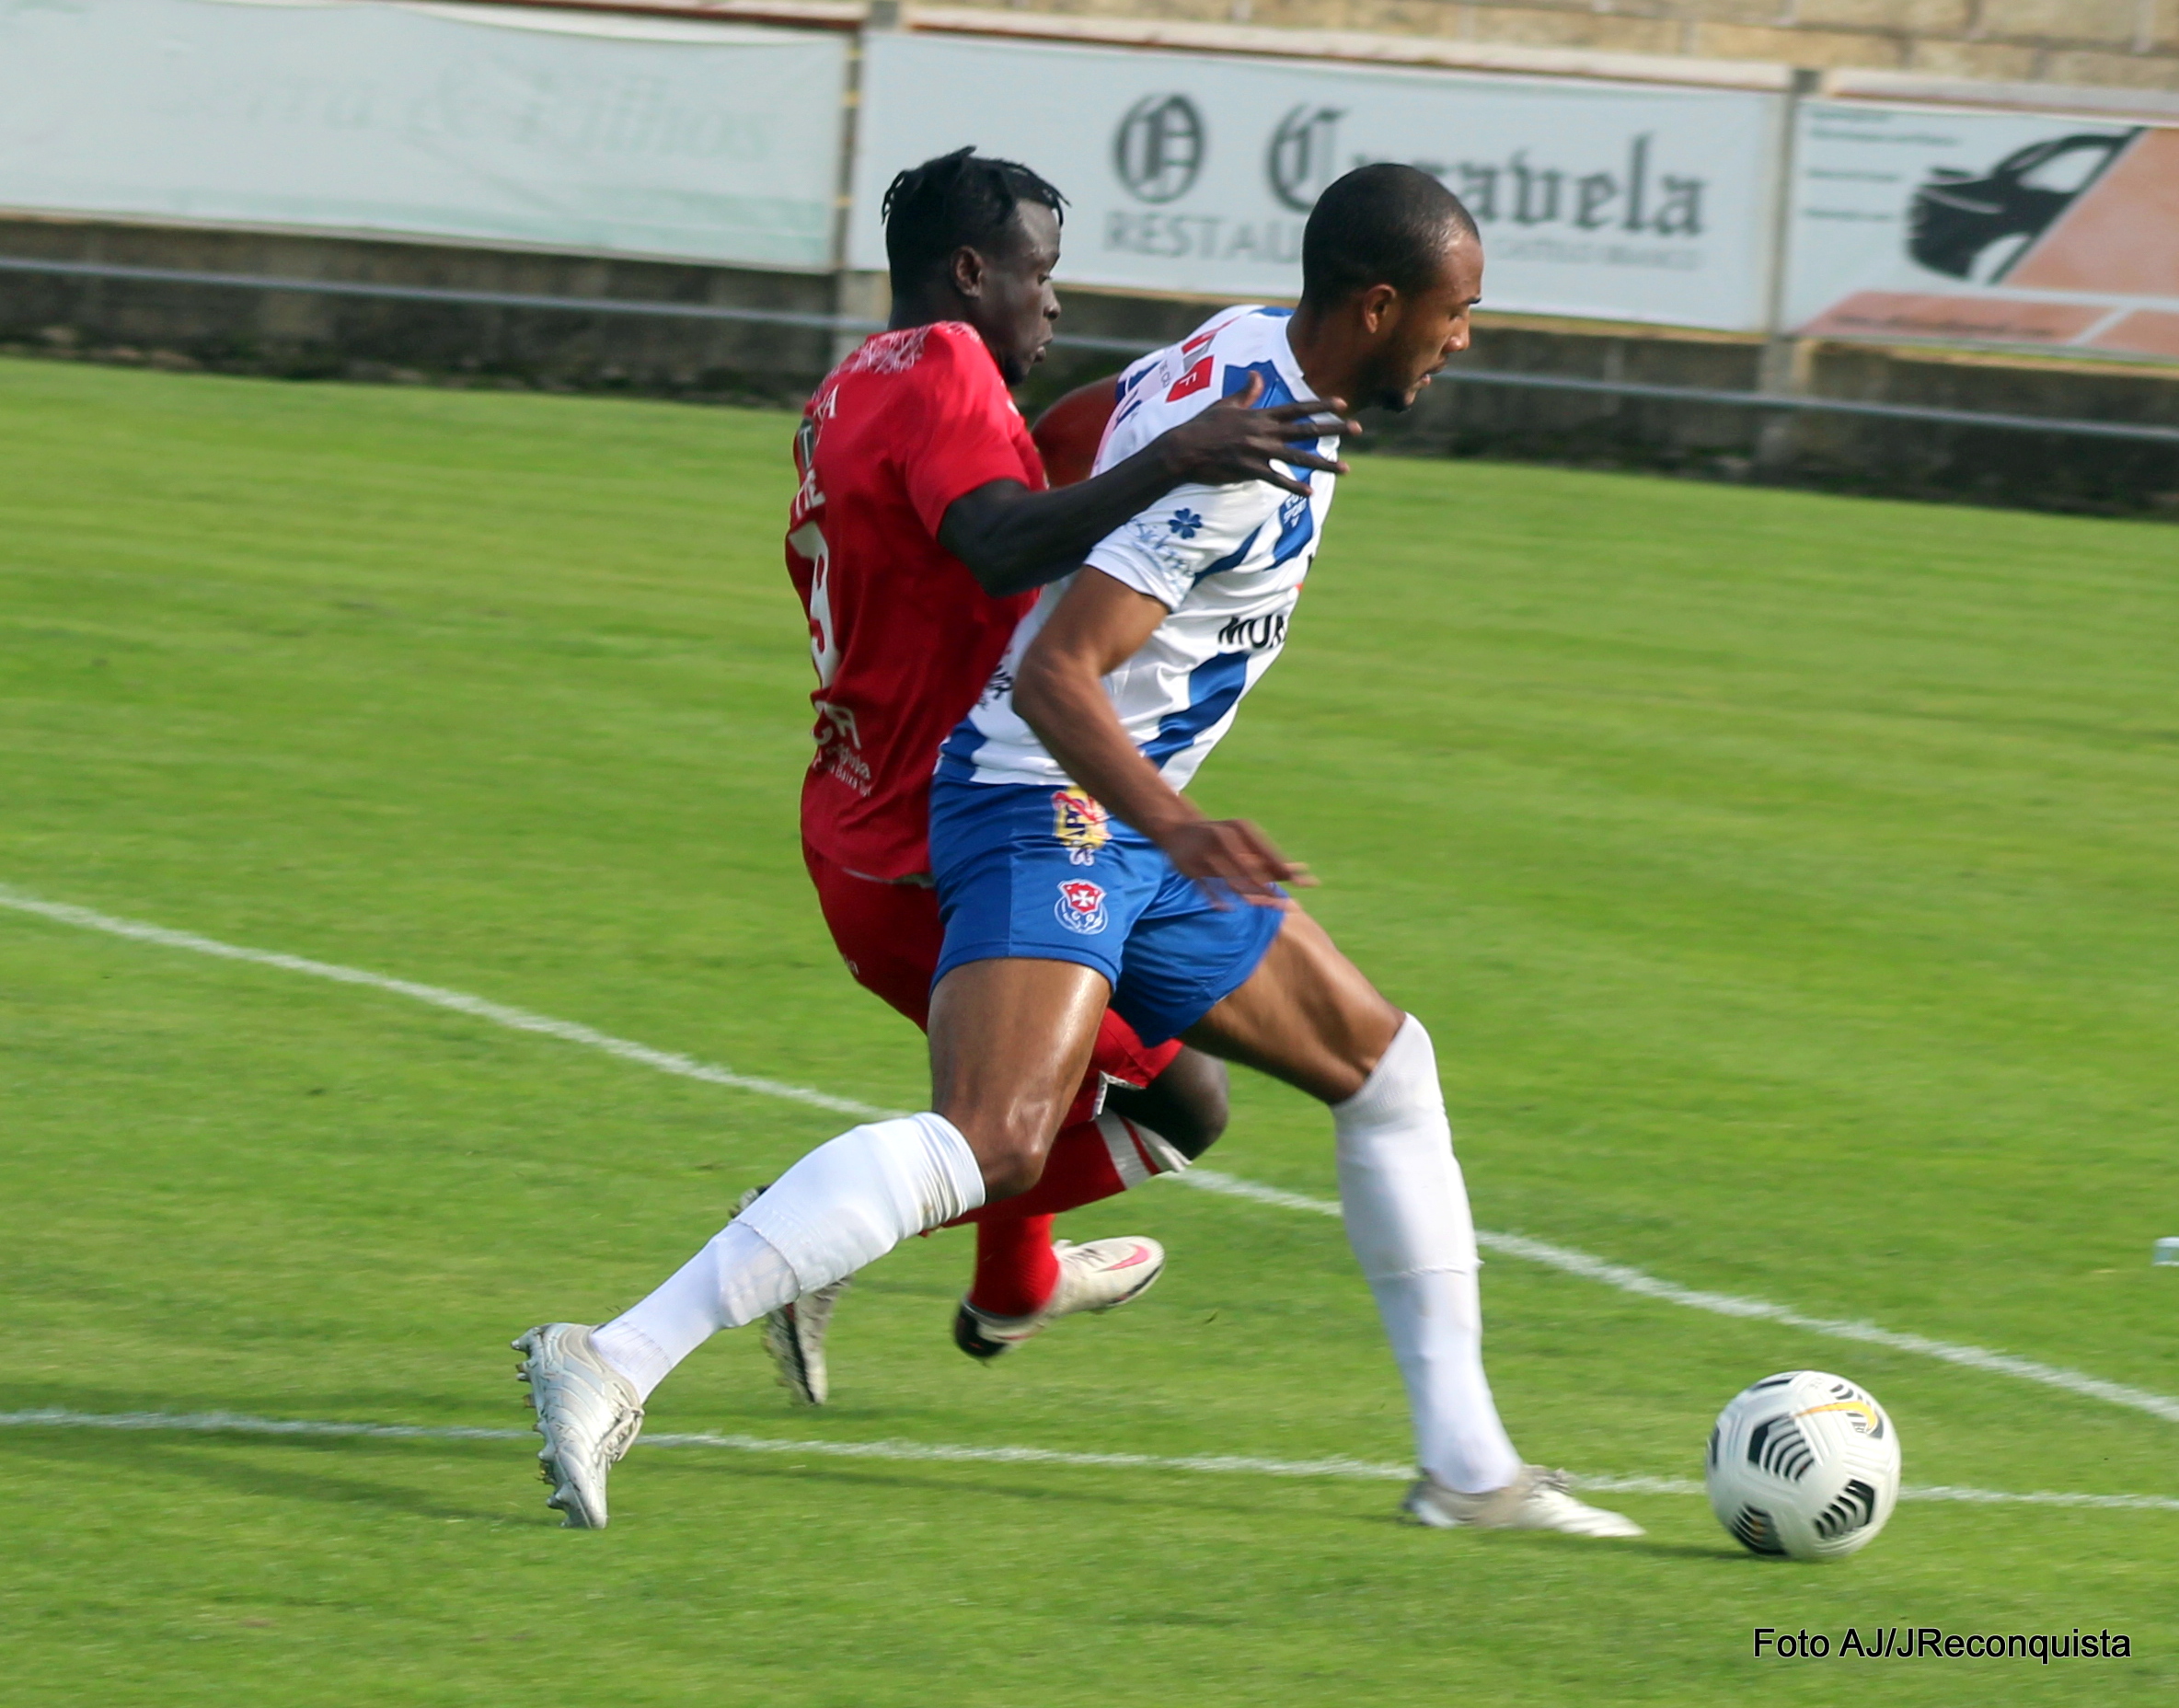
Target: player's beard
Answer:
pixel 1015 366
pixel 1391 388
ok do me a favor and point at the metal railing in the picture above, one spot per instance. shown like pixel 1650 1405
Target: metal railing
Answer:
pixel 2143 432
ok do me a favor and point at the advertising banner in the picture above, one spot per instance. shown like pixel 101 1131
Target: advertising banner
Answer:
pixel 1194 172
pixel 574 132
pixel 1932 223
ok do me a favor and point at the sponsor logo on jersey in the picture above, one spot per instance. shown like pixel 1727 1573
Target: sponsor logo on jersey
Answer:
pixel 1080 824
pixel 1000 684
pixel 1081 907
pixel 839 747
pixel 1255 633
pixel 1187 524
pixel 836 724
pixel 1195 379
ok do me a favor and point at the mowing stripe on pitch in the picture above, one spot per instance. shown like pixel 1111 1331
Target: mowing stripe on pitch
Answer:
pixel 1564 1258
pixel 939 1453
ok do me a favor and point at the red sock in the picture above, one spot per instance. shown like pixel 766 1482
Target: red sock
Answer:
pixel 1017 1271
pixel 1090 1161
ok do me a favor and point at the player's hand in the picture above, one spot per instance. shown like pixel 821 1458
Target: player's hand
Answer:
pixel 1231 857
pixel 1234 441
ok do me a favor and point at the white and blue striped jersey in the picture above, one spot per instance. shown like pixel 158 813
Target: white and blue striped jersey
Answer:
pixel 1226 562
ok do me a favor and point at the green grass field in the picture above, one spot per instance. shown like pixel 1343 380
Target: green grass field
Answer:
pixel 1787 882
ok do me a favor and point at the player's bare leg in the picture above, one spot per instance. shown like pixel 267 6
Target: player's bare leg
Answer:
pixel 1024 1281
pixel 1010 1042
pixel 1162 1107
pixel 1187 1105
pixel 1307 1016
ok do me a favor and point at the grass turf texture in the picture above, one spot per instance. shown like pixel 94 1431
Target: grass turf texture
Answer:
pixel 1786 881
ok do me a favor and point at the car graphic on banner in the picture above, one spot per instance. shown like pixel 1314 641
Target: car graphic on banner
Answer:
pixel 1958 221
pixel 1944 225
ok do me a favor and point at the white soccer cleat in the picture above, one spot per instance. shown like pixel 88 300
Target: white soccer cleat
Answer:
pixel 794 1334
pixel 1536 1500
pixel 588 1413
pixel 1093 1277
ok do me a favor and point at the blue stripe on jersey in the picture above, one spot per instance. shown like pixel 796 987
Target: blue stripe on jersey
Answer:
pixel 1274 382
pixel 1232 559
pixel 957 755
pixel 1275 392
pixel 1214 690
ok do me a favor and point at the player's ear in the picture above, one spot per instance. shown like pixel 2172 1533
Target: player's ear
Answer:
pixel 965 272
pixel 1380 307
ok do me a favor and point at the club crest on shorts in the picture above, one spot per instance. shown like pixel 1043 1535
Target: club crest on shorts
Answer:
pixel 1081 907
pixel 1081 825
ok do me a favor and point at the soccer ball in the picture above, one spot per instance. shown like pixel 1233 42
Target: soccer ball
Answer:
pixel 1803 1464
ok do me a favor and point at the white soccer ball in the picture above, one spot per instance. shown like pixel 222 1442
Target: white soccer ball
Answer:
pixel 1803 1464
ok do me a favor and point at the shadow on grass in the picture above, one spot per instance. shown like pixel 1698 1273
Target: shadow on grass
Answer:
pixel 245 1464
pixel 336 1472
pixel 213 1459
pixel 1650 1545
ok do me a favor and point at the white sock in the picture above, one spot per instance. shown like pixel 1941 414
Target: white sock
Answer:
pixel 845 1205
pixel 735 1278
pixel 1406 1213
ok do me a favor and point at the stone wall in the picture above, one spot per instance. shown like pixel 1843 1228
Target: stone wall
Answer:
pixel 2108 43
pixel 239 329
pixel 243 329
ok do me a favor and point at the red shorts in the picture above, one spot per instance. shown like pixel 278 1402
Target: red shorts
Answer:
pixel 889 935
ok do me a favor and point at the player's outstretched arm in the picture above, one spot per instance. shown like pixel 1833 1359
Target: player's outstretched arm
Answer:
pixel 1059 691
pixel 1013 538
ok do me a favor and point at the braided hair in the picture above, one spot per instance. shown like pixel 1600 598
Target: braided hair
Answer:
pixel 958 200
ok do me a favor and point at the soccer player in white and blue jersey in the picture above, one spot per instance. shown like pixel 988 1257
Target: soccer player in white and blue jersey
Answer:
pixel 1073 871
pixel 1028 863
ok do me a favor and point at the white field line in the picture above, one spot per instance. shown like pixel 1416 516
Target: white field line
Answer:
pixel 923 1452
pixel 1564 1258
pixel 479 1007
pixel 1629 1280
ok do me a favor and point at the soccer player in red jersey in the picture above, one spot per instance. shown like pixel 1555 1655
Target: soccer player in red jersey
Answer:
pixel 919 533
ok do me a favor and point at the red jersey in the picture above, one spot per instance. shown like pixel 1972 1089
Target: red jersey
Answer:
pixel 903 636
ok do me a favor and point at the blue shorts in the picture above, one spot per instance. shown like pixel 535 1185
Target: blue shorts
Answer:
pixel 1031 873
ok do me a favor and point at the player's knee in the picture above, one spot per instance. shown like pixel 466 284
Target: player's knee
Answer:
pixel 1186 1105
pixel 1010 1149
pixel 1203 1128
pixel 1010 1174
